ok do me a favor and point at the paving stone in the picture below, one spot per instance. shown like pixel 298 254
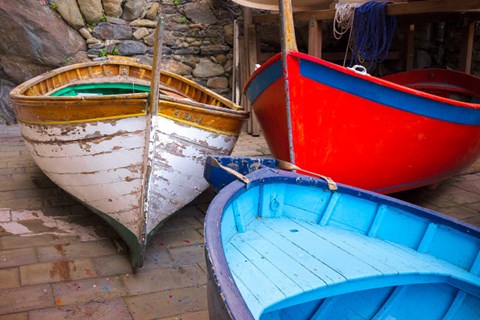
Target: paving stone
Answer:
pixel 115 309
pixel 16 242
pixel 199 315
pixel 474 220
pixel 157 258
pixel 27 203
pixel 168 303
pixel 460 212
pixel 25 298
pixel 17 257
pixel 164 279
pixel 188 254
pixel 16 316
pixel 202 232
pixel 469 182
pixel 5 215
pixel 112 265
pixel 76 250
pixel 176 238
pixel 9 278
pixel 448 196
pixel 182 220
pixel 14 227
pixel 87 290
pixel 57 271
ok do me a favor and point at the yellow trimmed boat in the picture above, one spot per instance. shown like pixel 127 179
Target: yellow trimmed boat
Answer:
pixel 90 129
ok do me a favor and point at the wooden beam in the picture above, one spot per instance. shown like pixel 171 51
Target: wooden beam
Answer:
pixel 236 82
pixel 252 62
pixel 250 59
pixel 410 47
pixel 403 8
pixel 315 38
pixel 467 47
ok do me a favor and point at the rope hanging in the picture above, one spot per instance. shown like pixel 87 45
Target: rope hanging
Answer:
pixel 342 22
pixel 343 19
pixel 373 33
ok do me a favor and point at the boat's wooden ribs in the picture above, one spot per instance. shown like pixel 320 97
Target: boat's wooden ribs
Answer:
pixel 456 304
pixel 329 210
pixel 238 218
pixel 79 75
pixel 377 221
pixel 427 238
pixel 475 268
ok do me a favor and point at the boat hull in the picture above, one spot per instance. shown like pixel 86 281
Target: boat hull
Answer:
pixel 284 246
pixel 95 147
pixel 365 131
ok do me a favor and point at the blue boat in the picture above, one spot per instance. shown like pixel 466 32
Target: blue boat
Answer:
pixel 281 245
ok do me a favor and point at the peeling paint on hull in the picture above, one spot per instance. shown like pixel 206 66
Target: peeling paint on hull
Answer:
pixel 101 161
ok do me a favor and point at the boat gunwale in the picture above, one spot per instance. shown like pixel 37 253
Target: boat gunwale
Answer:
pixel 373 79
pixel 138 96
pixel 19 91
pixel 215 253
pixel 274 5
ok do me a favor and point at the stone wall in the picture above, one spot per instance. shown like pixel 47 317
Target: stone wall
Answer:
pixel 197 38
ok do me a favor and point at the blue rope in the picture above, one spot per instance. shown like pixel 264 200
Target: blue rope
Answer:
pixel 373 33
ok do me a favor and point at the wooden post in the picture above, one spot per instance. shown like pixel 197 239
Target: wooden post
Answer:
pixel 287 27
pixel 250 43
pixel 288 43
pixel 315 37
pixel 467 47
pixel 410 49
pixel 236 82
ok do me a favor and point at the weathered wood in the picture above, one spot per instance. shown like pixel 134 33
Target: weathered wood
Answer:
pixel 467 47
pixel 250 45
pixel 410 47
pixel 287 27
pixel 252 62
pixel 90 129
pixel 404 8
pixel 236 83
pixel 315 38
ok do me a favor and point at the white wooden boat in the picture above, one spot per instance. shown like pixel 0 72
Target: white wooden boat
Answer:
pixel 89 127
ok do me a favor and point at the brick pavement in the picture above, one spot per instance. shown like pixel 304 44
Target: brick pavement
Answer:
pixel 60 261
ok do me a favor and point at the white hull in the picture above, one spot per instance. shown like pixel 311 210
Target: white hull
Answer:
pixel 101 164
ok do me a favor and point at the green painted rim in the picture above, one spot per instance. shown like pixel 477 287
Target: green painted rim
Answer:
pixel 100 89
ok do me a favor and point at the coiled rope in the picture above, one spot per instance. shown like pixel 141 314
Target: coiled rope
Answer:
pixel 342 22
pixel 373 33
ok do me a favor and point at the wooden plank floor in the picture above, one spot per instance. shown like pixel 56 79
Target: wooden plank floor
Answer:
pixel 60 261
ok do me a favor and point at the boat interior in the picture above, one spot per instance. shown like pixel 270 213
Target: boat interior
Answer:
pixel 346 256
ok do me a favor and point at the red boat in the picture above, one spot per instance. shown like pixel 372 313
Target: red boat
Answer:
pixel 387 135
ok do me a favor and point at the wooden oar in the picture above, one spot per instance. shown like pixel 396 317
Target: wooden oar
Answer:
pixel 287 26
pixel 288 43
